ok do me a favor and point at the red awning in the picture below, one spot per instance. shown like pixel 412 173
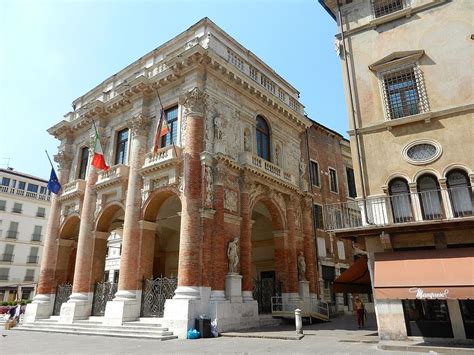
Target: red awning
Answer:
pixel 356 279
pixel 425 274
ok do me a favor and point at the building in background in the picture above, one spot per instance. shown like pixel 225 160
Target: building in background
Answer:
pixel 24 209
pixel 408 78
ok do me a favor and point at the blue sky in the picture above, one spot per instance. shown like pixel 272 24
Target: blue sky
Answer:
pixel 52 52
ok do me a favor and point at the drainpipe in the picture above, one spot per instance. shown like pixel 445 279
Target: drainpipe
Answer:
pixel 354 123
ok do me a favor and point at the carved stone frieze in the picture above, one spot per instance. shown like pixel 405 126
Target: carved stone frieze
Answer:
pixel 209 190
pixel 64 159
pixel 231 200
pixel 139 125
pixel 194 102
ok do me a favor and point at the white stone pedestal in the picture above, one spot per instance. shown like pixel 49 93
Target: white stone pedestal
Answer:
pixel 41 308
pixel 124 307
pixel 233 287
pixel 79 306
pixel 305 297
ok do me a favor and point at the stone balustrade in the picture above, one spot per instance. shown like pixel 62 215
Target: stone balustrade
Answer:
pixel 74 187
pixel 266 167
pixel 162 157
pixel 25 193
pixel 114 174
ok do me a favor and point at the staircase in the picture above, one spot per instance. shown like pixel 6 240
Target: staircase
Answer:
pixel 135 330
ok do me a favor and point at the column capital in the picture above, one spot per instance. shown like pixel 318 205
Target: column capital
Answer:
pixel 64 159
pixel 194 102
pixel 139 124
pixel 245 183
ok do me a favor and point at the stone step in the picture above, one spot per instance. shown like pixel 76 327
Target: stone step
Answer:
pixel 130 325
pixel 128 334
pixel 120 329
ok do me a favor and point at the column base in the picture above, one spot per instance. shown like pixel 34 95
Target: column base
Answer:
pixel 41 308
pixel 217 295
pixel 187 293
pixel 233 288
pixel 247 296
pixel 125 307
pixel 79 306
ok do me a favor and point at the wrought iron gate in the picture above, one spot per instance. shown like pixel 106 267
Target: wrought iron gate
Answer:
pixel 62 295
pixel 263 291
pixel 103 292
pixel 155 293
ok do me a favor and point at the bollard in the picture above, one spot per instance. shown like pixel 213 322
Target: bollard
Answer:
pixel 298 322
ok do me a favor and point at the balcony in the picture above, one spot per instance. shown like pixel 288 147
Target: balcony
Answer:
pixel 16 210
pixel 28 194
pixel 36 237
pixel 115 174
pixel 420 207
pixel 265 168
pixel 12 234
pixel 73 189
pixel 163 157
pixel 32 259
pixel 7 257
pixel 29 278
pixel 3 277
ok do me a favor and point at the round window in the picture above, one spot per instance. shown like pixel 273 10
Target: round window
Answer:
pixel 422 152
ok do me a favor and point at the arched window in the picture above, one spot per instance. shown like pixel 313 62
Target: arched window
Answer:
pixel 460 193
pixel 400 200
pixel 430 200
pixel 263 138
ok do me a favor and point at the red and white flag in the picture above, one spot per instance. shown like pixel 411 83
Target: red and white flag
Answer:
pixel 161 130
pixel 98 159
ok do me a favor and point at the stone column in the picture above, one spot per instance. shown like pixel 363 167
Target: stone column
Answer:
pixel 447 206
pixel 43 302
pixel 308 245
pixel 126 304
pixel 79 305
pixel 246 240
pixel 415 202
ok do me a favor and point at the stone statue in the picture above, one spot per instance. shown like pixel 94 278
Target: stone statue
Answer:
pixel 247 146
pixel 301 267
pixel 277 155
pixel 233 255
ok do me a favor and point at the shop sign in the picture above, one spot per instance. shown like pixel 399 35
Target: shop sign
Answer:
pixel 420 294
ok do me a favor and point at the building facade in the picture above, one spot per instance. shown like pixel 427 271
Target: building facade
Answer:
pixel 24 209
pixel 408 79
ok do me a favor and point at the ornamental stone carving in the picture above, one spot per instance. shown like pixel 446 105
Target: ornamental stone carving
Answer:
pixel 233 255
pixel 64 159
pixel 247 140
pixel 139 125
pixel 230 200
pixel 209 193
pixel 301 267
pixel 194 102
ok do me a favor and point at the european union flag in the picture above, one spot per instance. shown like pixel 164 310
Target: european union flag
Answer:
pixel 53 184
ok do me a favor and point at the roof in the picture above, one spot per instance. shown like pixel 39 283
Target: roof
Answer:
pixel 11 171
pixel 326 128
pixel 328 10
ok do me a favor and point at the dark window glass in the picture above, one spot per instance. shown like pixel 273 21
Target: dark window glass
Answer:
pixel 333 180
pixel 318 217
pixel 400 200
pixel 5 181
pixel 21 185
pixel 116 276
pixel 430 198
pixel 43 190
pixel 122 147
pixel 402 93
pixel 351 182
pixel 17 207
pixel 263 139
pixel 32 188
pixel 385 7
pixel 172 119
pixel 427 318
pixel 83 163
pixel 314 170
pixel 460 193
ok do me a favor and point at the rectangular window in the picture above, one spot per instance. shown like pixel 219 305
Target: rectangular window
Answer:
pixel 12 232
pixel 30 275
pixel 5 181
pixel 121 147
pixel 351 183
pixel 341 252
pixel 8 253
pixel 17 207
pixel 32 188
pixel 333 180
pixel 83 163
pixel 116 276
pixel 314 172
pixel 4 271
pixel 21 185
pixel 41 212
pixel 106 276
pixel 318 217
pixel 43 190
pixel 171 116
pixel 385 7
pixel 36 237
pixel 3 205
pixel 33 257
pixel 321 247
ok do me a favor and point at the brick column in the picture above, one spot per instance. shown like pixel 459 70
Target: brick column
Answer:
pixel 281 258
pixel 308 245
pixel 65 248
pixel 190 244
pixel 43 302
pixel 147 250
pixel 100 251
pixel 291 243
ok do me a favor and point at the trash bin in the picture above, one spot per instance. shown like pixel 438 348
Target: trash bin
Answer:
pixel 203 325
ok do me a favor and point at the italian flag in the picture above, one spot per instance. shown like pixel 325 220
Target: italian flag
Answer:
pixel 98 159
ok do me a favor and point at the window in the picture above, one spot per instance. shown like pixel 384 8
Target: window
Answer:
pixel 17 207
pixel 430 200
pixel 460 193
pixel 321 247
pixel 172 119
pixel 83 163
pixel 5 181
pixel 351 183
pixel 8 253
pixel 4 273
pixel 12 232
pixel 21 185
pixel 36 237
pixel 314 173
pixel 32 188
pixel 30 275
pixel 263 138
pixel 121 147
pixel 106 276
pixel 116 276
pixel 333 180
pixel 341 252
pixel 3 205
pixel 41 212
pixel 43 190
pixel 385 7
pixel 318 216
pixel 33 257
pixel 400 200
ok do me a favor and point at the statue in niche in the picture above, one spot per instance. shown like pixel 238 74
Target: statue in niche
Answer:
pixel 218 127
pixel 233 255
pixel 277 155
pixel 301 267
pixel 247 144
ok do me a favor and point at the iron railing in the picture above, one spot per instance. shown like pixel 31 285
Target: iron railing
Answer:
pixel 36 237
pixel 400 208
pixel 308 305
pixel 12 234
pixel 7 257
pixel 62 295
pixel 32 259
pixel 155 293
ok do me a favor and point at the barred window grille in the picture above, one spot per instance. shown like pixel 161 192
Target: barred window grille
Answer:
pixel 404 93
pixel 385 7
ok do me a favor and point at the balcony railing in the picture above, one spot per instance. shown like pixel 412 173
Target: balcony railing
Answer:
pixel 29 278
pixel 3 277
pixel 266 167
pixel 32 259
pixel 115 173
pixel 162 156
pixel 12 234
pixel 16 210
pixel 36 237
pixel 401 208
pixel 7 257
pixel 29 194
pixel 74 187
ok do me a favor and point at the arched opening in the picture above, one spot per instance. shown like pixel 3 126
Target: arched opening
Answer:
pixel 430 198
pixel 460 193
pixel 263 138
pixel 400 200
pixel 267 256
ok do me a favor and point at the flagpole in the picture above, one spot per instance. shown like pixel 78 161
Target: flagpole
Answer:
pixel 49 158
pixel 161 105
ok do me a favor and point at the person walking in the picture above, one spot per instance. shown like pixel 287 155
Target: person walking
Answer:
pixel 360 311
pixel 14 316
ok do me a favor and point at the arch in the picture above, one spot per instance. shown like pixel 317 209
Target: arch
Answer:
pixel 426 171
pixel 69 229
pixel 397 175
pixel 460 192
pixel 155 201
pixel 456 166
pixel 400 200
pixel 277 214
pixel 263 138
pixel 430 198
pixel 106 216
